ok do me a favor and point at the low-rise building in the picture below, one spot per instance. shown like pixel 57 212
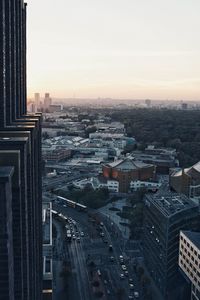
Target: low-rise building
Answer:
pixel 56 155
pixel 189 260
pixel 55 108
pixel 147 185
pixel 97 183
pixel 162 158
pixel 186 181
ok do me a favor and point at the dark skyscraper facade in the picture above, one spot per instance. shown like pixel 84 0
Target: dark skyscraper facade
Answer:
pixel 20 165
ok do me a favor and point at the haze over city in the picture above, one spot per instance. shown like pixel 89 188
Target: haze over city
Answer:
pixel 117 49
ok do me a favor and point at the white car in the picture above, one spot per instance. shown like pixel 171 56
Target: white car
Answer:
pixel 122 276
pixel 131 286
pixel 126 273
pixel 124 268
pixel 136 294
pixel 82 234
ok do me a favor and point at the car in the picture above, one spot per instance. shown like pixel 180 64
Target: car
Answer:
pixel 99 272
pixel 78 239
pixel 124 268
pixel 102 234
pixel 130 280
pixel 108 292
pixel 126 273
pixel 131 286
pixel 105 281
pixel 130 297
pixel 112 258
pixel 105 241
pixel 121 259
pixel 110 248
pixel 82 234
pixel 73 237
pixel 122 276
pixel 136 294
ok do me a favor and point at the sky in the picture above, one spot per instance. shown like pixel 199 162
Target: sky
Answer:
pixel 132 49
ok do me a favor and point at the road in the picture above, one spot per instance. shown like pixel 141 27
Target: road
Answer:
pixel 92 247
pixel 62 180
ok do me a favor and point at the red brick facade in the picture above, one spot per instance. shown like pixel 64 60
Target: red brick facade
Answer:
pixel 124 177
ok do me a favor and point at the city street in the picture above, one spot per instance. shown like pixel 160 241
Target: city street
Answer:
pixel 93 248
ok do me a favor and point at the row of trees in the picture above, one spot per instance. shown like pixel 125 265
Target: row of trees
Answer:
pixel 89 197
pixel 168 128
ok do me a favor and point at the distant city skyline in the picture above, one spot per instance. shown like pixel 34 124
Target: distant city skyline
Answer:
pixel 115 49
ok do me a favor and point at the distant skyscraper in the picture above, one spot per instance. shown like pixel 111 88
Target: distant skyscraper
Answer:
pixel 47 101
pixel 20 165
pixel 37 101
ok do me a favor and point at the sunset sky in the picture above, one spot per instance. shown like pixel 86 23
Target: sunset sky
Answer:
pixel 114 48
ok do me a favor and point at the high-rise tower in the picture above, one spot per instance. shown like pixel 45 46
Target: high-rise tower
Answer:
pixel 20 165
pixel 37 101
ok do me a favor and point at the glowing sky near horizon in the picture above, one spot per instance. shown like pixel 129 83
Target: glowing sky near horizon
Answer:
pixel 114 48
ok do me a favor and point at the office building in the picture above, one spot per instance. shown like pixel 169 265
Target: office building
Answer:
pixel 189 260
pixel 20 163
pixel 47 250
pixel 47 101
pixel 37 101
pixel 6 234
pixel 164 217
pixel 55 108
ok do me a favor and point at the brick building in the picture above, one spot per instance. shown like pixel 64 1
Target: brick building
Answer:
pixel 127 170
pixel 186 181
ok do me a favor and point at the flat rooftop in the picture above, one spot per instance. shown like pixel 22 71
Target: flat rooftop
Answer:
pixel 171 203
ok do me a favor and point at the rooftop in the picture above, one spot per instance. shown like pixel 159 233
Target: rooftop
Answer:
pixel 189 171
pixel 171 203
pixel 128 164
